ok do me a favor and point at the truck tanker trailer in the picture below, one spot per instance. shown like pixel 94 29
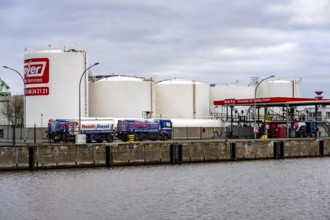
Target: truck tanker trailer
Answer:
pixel 142 129
pixel 65 130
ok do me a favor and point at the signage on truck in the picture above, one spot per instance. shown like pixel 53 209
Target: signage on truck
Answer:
pixel 96 126
pixel 36 71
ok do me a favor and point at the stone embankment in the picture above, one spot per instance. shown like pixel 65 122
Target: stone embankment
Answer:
pixel 64 155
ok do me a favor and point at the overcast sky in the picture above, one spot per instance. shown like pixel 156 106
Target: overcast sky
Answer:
pixel 215 41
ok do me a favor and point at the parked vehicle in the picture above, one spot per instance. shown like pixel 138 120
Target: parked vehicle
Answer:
pixel 305 129
pixel 156 129
pixel 299 129
pixel 66 129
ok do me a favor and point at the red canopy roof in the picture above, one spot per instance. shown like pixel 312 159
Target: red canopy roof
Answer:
pixel 271 101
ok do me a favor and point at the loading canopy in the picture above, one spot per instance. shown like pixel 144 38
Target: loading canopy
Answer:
pixel 273 101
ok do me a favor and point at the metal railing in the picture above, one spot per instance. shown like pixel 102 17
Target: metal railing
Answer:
pixel 13 135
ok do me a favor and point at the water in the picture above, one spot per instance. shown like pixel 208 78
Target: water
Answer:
pixel 272 189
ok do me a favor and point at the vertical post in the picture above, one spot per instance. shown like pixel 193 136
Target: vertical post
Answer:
pixel 321 148
pixel 282 150
pixel 31 158
pixel 275 150
pixel 172 154
pixel 231 121
pixel 180 153
pixel 233 151
pixel 14 135
pixel 35 133
pixel 107 156
pixel 194 99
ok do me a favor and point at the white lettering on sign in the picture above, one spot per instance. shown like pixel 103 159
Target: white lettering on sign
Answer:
pixel 34 69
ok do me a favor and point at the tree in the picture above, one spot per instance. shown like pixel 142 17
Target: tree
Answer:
pixel 14 110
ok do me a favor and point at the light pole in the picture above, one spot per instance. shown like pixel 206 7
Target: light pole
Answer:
pixel 41 126
pixel 80 93
pixel 25 133
pixel 255 104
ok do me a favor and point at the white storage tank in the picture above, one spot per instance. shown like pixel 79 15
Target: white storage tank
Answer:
pixel 179 98
pixel 230 91
pixel 52 83
pixel 280 88
pixel 119 96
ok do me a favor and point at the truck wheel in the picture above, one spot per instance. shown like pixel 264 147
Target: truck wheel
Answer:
pixel 165 137
pixel 124 138
pixel 142 137
pixel 110 138
pixel 53 137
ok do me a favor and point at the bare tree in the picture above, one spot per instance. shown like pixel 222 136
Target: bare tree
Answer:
pixel 14 110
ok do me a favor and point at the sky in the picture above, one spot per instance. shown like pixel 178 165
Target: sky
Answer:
pixel 213 41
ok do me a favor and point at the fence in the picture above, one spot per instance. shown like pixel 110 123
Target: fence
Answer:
pixel 12 134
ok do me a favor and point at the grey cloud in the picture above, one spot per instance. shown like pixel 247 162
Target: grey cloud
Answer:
pixel 218 41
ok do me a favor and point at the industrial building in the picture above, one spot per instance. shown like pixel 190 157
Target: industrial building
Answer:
pixel 52 80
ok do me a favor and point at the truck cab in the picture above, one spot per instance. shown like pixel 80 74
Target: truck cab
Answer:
pixel 166 129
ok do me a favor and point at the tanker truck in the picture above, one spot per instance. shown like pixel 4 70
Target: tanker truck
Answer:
pixel 65 130
pixel 155 129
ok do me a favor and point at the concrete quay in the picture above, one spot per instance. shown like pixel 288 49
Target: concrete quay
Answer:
pixel 65 155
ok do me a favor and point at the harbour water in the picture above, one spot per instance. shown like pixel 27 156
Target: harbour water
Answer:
pixel 270 189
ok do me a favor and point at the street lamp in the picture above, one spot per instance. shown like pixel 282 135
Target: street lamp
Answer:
pixel 80 93
pixel 255 104
pixel 25 133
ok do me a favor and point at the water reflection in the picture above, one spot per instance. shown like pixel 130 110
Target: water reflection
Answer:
pixel 282 189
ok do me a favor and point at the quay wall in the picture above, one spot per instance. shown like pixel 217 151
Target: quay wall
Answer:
pixel 65 155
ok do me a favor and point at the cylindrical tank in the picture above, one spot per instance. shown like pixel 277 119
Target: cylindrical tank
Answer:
pixel 229 91
pixel 280 88
pixel 121 97
pixel 178 98
pixel 52 78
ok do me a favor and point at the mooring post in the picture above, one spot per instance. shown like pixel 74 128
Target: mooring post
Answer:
pixel 107 156
pixel 282 150
pixel 275 150
pixel 31 158
pixel 172 154
pixel 321 146
pixel 233 151
pixel 180 153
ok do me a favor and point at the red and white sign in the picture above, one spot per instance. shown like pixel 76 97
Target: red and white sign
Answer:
pixel 33 91
pixel 36 70
pixel 230 101
pixel 256 129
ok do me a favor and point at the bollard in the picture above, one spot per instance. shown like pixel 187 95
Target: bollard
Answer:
pixel 172 154
pixel 180 153
pixel 233 151
pixel 31 158
pixel 107 156
pixel 275 150
pixel 321 147
pixel 282 150
pixel 131 141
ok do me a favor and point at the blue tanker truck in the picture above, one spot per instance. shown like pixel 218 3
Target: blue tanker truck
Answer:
pixel 65 130
pixel 155 129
